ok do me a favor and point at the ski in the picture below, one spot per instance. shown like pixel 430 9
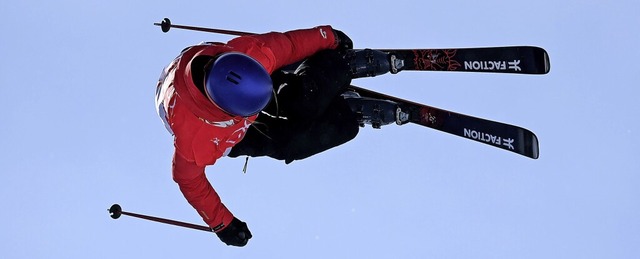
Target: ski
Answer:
pixel 511 59
pixel 504 136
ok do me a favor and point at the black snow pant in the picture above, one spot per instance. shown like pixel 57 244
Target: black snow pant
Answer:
pixel 308 114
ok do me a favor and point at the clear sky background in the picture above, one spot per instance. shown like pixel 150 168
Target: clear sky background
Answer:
pixel 79 132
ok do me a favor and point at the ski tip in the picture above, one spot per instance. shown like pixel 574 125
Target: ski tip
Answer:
pixel 541 59
pixel 534 149
pixel 547 62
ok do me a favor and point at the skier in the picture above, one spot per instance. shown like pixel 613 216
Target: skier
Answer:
pixel 234 99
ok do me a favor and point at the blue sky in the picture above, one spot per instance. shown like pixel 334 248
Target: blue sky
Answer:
pixel 79 133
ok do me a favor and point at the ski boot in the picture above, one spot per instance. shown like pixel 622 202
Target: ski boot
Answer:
pixel 375 112
pixel 368 62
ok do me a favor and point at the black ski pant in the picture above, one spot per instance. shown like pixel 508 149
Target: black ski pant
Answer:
pixel 308 114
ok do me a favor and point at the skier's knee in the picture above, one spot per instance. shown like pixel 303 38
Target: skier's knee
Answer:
pixel 338 125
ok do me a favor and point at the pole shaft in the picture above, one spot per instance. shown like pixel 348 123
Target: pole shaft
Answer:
pixel 212 30
pixel 168 221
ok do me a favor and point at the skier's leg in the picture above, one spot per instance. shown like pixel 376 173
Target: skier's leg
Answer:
pixel 308 119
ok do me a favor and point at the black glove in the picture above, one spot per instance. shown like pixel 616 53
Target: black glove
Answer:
pixel 343 41
pixel 236 234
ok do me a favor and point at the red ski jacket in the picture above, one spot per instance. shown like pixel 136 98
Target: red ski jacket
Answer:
pixel 202 132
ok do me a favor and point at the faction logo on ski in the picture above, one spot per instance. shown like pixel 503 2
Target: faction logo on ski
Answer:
pixel 492 65
pixel 488 138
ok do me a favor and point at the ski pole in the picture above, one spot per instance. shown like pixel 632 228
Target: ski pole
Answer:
pixel 166 25
pixel 116 211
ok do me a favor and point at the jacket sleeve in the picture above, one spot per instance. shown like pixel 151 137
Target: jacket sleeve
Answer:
pixel 199 193
pixel 275 50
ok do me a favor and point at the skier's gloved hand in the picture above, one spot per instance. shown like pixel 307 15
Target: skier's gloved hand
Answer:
pixel 343 41
pixel 236 234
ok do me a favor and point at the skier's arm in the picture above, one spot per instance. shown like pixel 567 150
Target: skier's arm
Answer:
pixel 195 187
pixel 200 194
pixel 275 50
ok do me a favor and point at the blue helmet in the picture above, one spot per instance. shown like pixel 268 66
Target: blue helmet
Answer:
pixel 238 84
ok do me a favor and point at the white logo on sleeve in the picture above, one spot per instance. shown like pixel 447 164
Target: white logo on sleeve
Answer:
pixel 323 33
